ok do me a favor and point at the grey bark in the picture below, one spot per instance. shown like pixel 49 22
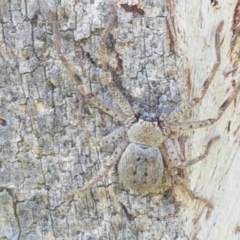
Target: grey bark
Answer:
pixel 44 153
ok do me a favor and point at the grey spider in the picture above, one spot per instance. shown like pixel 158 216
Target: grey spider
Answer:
pixel 147 137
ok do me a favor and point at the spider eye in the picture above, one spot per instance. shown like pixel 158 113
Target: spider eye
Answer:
pixel 152 117
pixel 144 116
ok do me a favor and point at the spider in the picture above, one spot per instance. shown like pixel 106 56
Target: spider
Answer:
pixel 148 136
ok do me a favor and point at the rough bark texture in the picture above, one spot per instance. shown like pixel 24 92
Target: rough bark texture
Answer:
pixel 161 53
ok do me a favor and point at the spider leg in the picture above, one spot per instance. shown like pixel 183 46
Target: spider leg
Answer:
pixel 204 123
pixel 193 196
pixel 184 164
pixel 113 161
pixel 174 161
pixel 171 156
pixel 110 138
pixel 107 76
pixel 177 161
pixel 185 108
pixel 77 79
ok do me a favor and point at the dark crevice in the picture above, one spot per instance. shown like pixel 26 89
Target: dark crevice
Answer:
pixel 129 215
pixel 14 200
pixel 91 59
pixel 133 8
pixel 3 122
pixel 214 3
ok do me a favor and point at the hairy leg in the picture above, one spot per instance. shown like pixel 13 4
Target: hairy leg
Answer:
pixel 185 108
pixel 175 161
pixel 113 161
pixel 201 157
pixel 204 123
pixel 110 138
pixel 77 79
pixel 107 76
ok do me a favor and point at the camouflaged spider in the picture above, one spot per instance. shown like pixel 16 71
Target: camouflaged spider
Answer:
pixel 147 136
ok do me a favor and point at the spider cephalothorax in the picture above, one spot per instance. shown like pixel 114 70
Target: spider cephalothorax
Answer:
pixel 147 137
pixel 145 133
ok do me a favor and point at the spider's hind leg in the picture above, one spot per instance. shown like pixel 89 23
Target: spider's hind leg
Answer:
pixel 113 161
pixel 201 157
pixel 112 137
pixel 181 189
pixel 175 161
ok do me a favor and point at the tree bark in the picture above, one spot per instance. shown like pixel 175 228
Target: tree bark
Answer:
pixel 217 177
pixel 160 53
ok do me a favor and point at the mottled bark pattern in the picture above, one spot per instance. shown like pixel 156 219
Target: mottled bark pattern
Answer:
pixel 44 153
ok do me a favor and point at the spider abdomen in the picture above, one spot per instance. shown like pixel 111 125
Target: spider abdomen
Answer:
pixel 141 168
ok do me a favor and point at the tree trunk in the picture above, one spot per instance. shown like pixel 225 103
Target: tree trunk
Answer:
pixel 160 54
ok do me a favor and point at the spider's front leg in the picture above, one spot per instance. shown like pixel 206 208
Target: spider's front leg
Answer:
pixel 187 107
pixel 77 79
pixel 176 126
pixel 113 161
pixel 107 76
